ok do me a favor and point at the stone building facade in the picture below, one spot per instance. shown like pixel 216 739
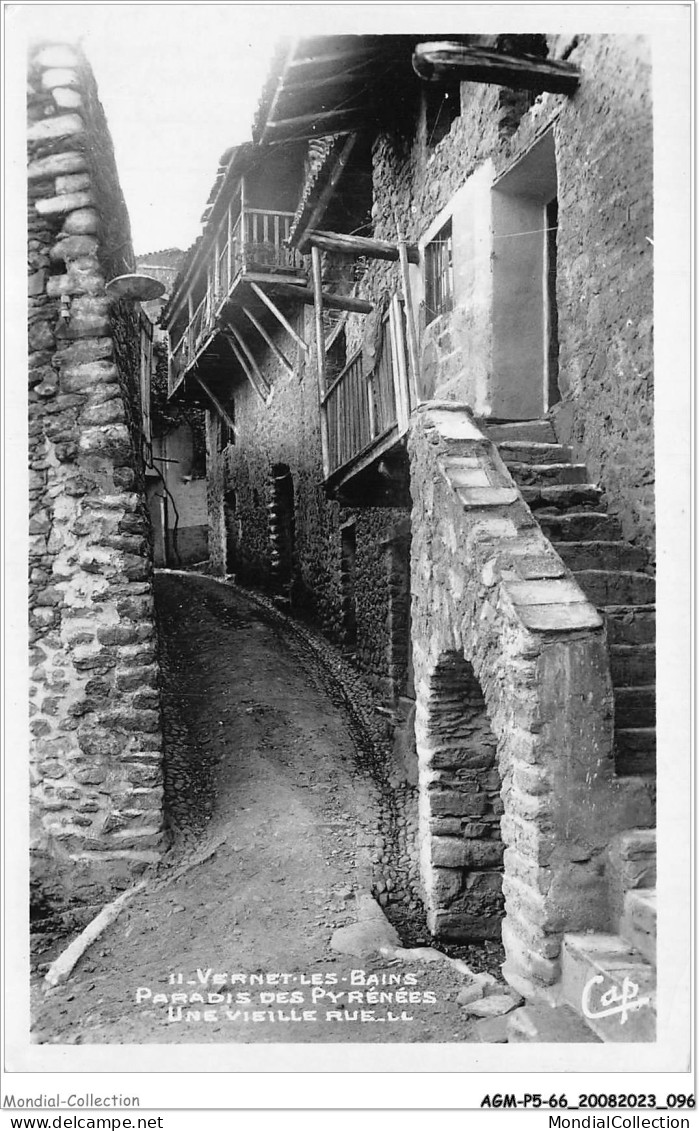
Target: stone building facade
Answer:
pixel 485 543
pixel 96 782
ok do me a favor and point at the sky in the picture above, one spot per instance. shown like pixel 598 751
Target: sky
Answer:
pixel 179 84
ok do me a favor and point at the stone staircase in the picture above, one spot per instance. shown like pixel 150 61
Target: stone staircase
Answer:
pixel 612 574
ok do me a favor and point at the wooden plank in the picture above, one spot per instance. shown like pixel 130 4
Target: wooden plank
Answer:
pixel 334 302
pixel 446 61
pixel 320 357
pixel 278 353
pixel 216 403
pixel 259 376
pixel 359 245
pixel 278 315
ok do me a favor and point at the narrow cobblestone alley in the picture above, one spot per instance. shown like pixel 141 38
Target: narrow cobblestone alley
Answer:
pixel 275 799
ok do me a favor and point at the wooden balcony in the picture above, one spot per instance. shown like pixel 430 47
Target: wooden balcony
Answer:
pixel 248 247
pixel 366 410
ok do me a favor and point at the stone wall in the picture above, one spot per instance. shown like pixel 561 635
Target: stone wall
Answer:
pixel 285 430
pixel 514 712
pixel 603 156
pixel 95 721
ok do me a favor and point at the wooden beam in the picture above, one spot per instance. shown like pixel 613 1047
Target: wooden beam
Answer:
pixel 278 315
pixel 263 383
pixel 320 355
pixel 216 403
pixel 359 245
pixel 445 61
pixel 279 354
pixel 333 302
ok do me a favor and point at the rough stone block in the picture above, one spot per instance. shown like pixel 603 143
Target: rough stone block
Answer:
pixel 448 852
pixel 491 1030
pixel 55 165
pixel 549 1025
pixel 57 55
pixel 81 222
pixel 66 202
pixel 62 125
pixel 67 99
pixel 72 182
pixel 487 496
pixel 528 593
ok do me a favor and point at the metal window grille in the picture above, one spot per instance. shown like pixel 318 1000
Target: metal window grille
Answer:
pixel 439 274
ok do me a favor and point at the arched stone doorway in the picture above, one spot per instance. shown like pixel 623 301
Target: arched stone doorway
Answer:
pixel 460 805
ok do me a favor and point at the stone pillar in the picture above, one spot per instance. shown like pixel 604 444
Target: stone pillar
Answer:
pixel 97 798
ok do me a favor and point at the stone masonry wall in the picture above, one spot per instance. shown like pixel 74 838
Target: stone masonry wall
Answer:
pixel 495 610
pixel 95 722
pixel 603 141
pixel 286 430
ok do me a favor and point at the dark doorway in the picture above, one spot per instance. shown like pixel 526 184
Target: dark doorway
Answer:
pixel 348 573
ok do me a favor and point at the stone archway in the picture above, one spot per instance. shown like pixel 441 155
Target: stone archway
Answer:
pixel 460 805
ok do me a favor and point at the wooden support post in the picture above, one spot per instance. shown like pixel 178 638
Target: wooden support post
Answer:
pixel 279 354
pixel 409 317
pixel 216 403
pixel 400 374
pixel 259 377
pixel 320 355
pixel 278 315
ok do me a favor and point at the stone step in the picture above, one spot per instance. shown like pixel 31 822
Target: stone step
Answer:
pixel 547 473
pixel 595 966
pixel 634 707
pixel 634 750
pixel 632 665
pixel 583 527
pixel 564 497
pixel 630 624
pixel 601 555
pixel 631 865
pixel 523 451
pixel 635 851
pixel 639 922
pixel 547 1024
pixel 616 587
pixel 531 431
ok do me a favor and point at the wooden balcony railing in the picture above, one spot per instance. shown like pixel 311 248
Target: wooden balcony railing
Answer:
pixel 252 242
pixel 367 410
